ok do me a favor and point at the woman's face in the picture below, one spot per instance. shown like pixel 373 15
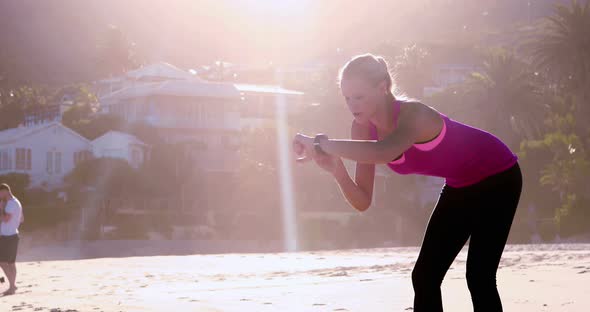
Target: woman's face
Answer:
pixel 362 98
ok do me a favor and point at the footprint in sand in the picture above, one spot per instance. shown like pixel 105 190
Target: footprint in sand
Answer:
pixel 583 272
pixel 318 304
pixel 21 307
pixel 366 280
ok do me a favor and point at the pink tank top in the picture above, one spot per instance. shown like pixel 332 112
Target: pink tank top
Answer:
pixel 461 154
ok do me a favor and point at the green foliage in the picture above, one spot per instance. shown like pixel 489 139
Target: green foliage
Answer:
pixel 562 52
pixel 42 209
pixel 94 126
pixel 108 177
pixel 503 98
pixel 15 102
pixel 413 71
pixel 18 182
pixel 568 169
pixel 563 46
pixel 117 53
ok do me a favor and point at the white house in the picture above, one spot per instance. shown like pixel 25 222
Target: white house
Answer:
pixel 45 152
pixel 122 145
pixel 204 116
pixel 260 104
pixel 156 72
pixel 48 152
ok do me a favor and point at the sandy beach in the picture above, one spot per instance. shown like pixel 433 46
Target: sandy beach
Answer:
pixel 531 278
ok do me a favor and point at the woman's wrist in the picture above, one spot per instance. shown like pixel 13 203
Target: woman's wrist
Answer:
pixel 317 143
pixel 340 172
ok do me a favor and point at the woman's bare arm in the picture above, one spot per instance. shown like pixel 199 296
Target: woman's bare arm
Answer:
pixel 418 123
pixel 358 192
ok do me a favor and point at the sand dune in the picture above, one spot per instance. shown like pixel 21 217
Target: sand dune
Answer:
pixel 531 278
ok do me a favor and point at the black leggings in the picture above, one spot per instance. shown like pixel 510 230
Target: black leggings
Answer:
pixel 482 212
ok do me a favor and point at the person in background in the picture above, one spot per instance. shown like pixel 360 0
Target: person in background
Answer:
pixel 11 216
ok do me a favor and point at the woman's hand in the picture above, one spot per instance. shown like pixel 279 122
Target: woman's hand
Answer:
pixel 303 147
pixel 330 163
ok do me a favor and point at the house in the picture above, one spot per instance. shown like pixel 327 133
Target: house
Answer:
pixel 45 152
pixel 48 152
pixel 261 103
pixel 205 116
pixel 121 145
pixel 156 72
pixel 202 116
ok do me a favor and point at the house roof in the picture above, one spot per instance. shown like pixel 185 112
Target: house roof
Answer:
pixel 162 71
pixel 176 88
pixel 13 134
pixel 122 135
pixel 270 89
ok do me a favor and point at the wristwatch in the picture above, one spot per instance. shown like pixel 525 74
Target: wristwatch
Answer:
pixel 316 143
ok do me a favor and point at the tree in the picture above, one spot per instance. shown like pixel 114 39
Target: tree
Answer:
pixel 507 92
pixel 91 127
pixel 15 102
pixel 504 98
pixel 117 53
pixel 562 50
pixel 413 71
pixel 568 169
pixel 108 177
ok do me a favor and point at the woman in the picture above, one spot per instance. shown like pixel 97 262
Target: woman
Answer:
pixel 482 178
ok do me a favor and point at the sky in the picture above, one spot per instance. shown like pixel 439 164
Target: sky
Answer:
pixel 58 38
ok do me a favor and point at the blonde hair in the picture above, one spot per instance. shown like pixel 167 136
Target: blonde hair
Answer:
pixel 369 67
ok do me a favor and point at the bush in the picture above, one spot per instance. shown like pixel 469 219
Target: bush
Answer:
pixel 18 182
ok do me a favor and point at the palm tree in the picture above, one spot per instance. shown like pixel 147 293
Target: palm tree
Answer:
pixel 506 97
pixel 563 51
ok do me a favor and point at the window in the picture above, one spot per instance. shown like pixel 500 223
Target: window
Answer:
pixel 23 159
pixel 81 156
pixel 135 156
pixel 29 157
pixel 5 160
pixel 57 166
pixel 49 164
pixel 53 162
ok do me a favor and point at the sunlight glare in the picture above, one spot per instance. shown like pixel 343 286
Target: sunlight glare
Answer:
pixel 285 176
